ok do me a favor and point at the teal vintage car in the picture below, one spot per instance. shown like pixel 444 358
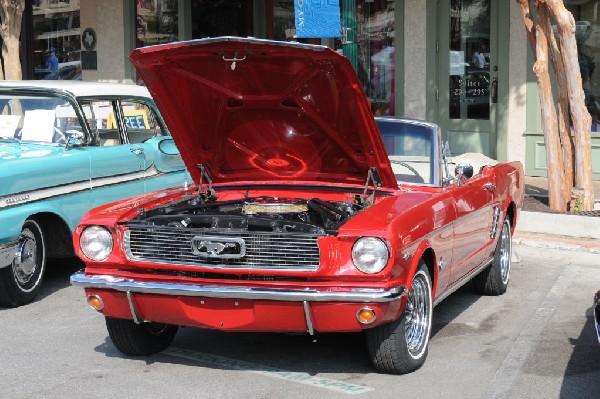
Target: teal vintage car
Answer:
pixel 66 147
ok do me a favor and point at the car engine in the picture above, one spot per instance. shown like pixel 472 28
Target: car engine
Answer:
pixel 265 214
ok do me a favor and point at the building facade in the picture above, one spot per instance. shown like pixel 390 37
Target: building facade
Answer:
pixel 463 64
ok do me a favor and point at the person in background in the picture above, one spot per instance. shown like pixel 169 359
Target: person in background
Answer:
pixel 52 60
pixel 479 57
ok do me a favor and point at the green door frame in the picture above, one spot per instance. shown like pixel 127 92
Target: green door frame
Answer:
pixel 500 147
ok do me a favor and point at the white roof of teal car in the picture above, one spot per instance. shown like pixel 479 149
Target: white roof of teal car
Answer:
pixel 80 89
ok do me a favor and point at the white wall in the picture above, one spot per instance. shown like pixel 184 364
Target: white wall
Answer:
pixel 415 82
pixel 517 104
pixel 106 18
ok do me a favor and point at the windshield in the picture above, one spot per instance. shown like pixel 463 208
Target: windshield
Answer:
pixel 40 119
pixel 410 148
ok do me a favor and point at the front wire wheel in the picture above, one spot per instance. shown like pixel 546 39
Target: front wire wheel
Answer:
pixel 401 346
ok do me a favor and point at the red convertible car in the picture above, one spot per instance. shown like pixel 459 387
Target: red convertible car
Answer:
pixel 307 214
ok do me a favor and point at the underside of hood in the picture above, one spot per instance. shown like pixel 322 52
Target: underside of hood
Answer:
pixel 257 110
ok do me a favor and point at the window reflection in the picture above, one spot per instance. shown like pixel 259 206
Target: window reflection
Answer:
pixel 470 59
pixel 587 35
pixel 156 22
pixel 56 39
pixel 376 53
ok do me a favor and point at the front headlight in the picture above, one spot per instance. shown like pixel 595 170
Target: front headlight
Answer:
pixel 96 242
pixel 370 254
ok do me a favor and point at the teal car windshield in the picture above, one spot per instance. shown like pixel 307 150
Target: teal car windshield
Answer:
pixel 40 119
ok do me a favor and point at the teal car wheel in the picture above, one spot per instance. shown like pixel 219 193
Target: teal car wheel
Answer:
pixel 20 283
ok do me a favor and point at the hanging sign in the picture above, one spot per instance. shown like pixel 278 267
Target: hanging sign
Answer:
pixel 317 18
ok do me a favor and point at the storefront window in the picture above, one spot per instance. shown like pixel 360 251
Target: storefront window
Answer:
pixel 221 18
pixel 374 46
pixel 156 22
pixel 283 20
pixel 588 47
pixel 56 44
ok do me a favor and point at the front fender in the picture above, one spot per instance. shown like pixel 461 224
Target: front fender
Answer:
pixel 70 210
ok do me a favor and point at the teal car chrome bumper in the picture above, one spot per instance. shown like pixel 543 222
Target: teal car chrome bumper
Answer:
pixel 7 253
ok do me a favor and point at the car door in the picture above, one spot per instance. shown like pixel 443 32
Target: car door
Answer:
pixel 117 168
pixel 147 134
pixel 474 200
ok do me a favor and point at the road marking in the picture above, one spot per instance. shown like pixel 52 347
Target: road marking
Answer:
pixel 291 376
pixel 529 337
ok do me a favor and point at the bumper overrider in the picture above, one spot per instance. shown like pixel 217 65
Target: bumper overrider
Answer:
pixel 246 308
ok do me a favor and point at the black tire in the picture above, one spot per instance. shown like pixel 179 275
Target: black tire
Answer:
pixel 493 280
pixel 21 282
pixel 401 346
pixel 140 339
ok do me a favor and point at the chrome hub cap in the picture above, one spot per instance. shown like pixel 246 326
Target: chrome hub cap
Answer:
pixel 505 252
pixel 25 263
pixel 417 312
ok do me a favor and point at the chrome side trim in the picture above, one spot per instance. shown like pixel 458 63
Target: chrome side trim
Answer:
pixel 8 252
pixel 71 188
pixel 462 282
pixel 122 284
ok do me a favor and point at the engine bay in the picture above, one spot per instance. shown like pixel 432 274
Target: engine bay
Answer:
pixel 262 214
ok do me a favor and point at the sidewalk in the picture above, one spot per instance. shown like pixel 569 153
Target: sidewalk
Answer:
pixel 557 230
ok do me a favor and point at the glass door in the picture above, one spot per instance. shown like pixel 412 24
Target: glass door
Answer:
pixel 468 74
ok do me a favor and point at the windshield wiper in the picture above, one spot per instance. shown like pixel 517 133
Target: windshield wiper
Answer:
pixel 7 138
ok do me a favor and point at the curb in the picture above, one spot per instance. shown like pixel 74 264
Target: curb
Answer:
pixel 571 226
pixel 551 244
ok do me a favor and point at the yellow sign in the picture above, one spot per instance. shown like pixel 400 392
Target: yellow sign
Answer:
pixel 133 120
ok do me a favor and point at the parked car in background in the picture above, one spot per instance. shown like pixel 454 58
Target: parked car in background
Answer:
pixel 308 215
pixel 66 71
pixel 597 314
pixel 66 147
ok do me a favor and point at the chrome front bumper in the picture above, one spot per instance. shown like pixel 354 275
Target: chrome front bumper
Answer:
pixel 7 253
pixel 219 291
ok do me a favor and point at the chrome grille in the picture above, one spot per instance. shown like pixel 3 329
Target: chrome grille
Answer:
pixel 263 250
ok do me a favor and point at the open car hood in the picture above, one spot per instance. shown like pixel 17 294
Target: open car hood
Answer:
pixel 257 110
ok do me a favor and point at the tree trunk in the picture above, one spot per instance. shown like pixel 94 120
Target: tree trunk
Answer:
pixel 574 161
pixel 11 15
pixel 550 126
pixel 582 121
pixel 538 41
pixel 564 129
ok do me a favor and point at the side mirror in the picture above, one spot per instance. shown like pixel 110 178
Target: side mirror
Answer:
pixel 73 139
pixel 463 172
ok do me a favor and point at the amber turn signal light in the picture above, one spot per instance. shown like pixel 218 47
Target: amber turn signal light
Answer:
pixel 95 302
pixel 365 315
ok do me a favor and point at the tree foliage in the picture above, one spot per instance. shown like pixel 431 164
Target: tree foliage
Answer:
pixel 569 153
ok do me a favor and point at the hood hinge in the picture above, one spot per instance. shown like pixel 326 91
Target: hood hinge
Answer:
pixel 209 193
pixel 374 178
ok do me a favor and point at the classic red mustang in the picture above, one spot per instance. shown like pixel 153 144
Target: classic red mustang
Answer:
pixel 307 213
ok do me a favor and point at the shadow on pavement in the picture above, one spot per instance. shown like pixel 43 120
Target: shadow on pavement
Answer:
pixel 582 375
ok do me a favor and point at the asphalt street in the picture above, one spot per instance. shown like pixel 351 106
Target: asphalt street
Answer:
pixel 536 341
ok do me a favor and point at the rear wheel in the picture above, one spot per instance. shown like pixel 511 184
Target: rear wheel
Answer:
pixel 140 339
pixel 401 347
pixel 20 282
pixel 494 279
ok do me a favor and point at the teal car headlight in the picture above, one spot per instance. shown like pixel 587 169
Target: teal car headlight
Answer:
pixel 370 254
pixel 96 242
